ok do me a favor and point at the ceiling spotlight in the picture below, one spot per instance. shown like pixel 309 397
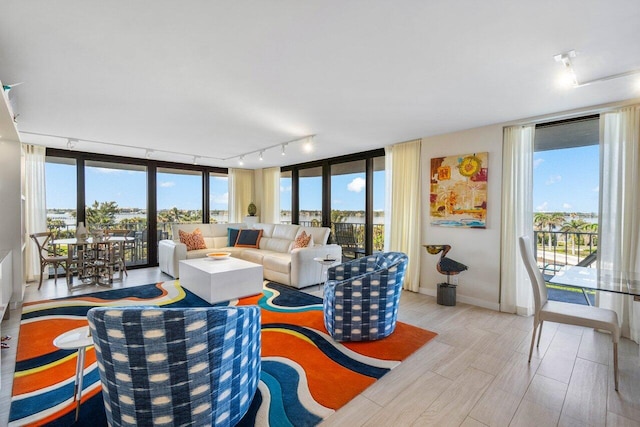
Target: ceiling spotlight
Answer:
pixel 260 156
pixel 308 144
pixel 195 160
pixel 283 152
pixel 71 143
pixel 148 154
pixel 569 77
pixel 241 160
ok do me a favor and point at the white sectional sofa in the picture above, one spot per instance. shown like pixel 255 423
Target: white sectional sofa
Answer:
pixel 280 263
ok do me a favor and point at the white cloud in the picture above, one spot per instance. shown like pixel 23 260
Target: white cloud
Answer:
pixel 357 185
pixel 537 162
pixel 553 179
pixel 596 189
pixel 285 189
pixel 107 170
pixel 220 198
pixel 220 178
pixel 566 206
pixel 167 184
pixel 543 207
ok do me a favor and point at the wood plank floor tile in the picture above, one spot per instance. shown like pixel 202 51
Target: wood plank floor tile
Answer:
pixel 453 406
pixel 585 395
pixel 531 414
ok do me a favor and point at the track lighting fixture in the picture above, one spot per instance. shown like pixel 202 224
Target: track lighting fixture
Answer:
pixel 570 78
pixel 71 143
pixel 260 156
pixel 283 152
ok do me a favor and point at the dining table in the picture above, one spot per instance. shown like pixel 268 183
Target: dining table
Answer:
pixel 94 261
pixel 593 279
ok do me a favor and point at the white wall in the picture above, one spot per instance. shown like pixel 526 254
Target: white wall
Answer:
pixel 10 213
pixel 479 249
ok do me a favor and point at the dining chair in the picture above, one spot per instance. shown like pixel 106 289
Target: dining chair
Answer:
pixel 562 312
pixel 122 248
pixel 48 255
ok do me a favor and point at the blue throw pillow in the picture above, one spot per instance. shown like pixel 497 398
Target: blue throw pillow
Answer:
pixel 248 238
pixel 232 234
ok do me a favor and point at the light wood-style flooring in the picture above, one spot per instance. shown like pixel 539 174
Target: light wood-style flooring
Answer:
pixel 474 373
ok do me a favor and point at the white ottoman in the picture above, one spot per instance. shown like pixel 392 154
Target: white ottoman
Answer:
pixel 216 280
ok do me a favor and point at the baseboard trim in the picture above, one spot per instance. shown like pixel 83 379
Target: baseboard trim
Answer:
pixel 464 299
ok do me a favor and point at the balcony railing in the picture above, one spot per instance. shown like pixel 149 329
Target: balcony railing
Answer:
pixel 557 249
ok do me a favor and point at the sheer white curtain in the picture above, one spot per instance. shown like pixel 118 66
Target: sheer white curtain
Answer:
pixel 619 228
pixel 35 205
pixel 240 193
pixel 270 210
pixel 404 210
pixel 517 218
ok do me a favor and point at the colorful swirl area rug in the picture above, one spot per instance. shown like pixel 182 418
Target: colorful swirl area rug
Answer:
pixel 306 375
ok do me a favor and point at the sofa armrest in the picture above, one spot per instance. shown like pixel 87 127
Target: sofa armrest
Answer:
pixel 170 252
pixel 304 270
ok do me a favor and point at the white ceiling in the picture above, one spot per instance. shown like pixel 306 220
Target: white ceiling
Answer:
pixel 221 78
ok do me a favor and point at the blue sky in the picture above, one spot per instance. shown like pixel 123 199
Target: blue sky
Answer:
pixel 128 189
pixel 566 180
pixel 347 192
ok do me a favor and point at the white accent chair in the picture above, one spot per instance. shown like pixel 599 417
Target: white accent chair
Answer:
pixel 562 312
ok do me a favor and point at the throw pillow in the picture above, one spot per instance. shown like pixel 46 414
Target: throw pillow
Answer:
pixel 302 241
pixel 192 240
pixel 232 236
pixel 248 238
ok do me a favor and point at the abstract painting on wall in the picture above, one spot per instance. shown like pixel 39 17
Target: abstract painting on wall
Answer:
pixel 458 191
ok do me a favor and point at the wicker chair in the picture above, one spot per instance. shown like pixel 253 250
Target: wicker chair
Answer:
pixel 48 256
pixel 361 297
pixel 177 366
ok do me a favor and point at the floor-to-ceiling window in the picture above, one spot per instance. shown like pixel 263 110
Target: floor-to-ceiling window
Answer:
pixel 379 189
pixel 310 196
pixel 347 191
pixel 348 205
pixel 565 197
pixel 140 195
pixel 116 198
pixel 61 191
pixel 285 197
pixel 179 199
pixel 218 198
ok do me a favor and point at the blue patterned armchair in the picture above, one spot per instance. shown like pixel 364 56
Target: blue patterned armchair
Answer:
pixel 177 366
pixel 361 297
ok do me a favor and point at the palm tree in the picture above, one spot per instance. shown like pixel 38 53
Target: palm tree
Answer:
pixel 549 221
pixel 573 227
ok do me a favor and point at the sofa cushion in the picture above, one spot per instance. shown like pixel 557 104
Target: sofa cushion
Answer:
pixel 285 231
pixel 277 245
pixel 193 240
pixel 248 238
pixel 232 236
pixel 276 261
pixel 320 234
pixel 198 253
pixel 302 240
pixel 267 229
pixel 252 255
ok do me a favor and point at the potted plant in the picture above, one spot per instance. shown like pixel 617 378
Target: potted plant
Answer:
pixel 251 210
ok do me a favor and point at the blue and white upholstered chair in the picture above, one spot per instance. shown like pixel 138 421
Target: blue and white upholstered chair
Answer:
pixel 177 366
pixel 361 297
